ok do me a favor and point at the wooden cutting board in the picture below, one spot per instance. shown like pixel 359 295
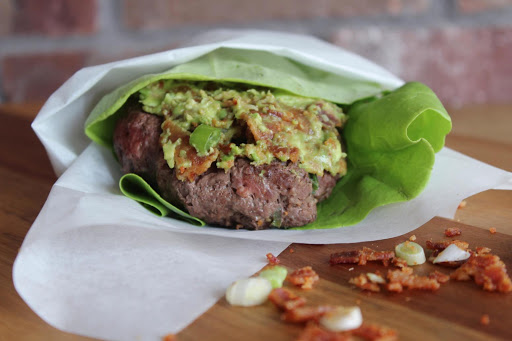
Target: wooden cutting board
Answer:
pixel 454 311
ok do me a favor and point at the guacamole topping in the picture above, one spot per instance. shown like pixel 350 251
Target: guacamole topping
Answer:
pixel 208 123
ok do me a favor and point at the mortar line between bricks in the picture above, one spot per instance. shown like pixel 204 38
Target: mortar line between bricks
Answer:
pixel 111 32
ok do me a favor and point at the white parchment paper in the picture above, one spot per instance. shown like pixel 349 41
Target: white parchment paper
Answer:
pixel 98 264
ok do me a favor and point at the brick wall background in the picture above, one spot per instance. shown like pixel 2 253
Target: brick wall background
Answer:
pixel 461 48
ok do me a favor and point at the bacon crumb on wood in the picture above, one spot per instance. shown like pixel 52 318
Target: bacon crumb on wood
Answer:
pixel 371 332
pixel 375 332
pixel 481 250
pixel 304 277
pixel 452 232
pixel 441 245
pixel 412 238
pixel 462 204
pixel 361 257
pixel 284 299
pixel 398 279
pixel 485 320
pixel 305 314
pixel 314 332
pixel 487 271
pixel 169 337
pixel 492 230
pixel 399 262
pixel 439 276
pixel 362 281
pixel 272 260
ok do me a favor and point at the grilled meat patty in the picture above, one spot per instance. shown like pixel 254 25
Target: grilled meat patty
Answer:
pixel 278 194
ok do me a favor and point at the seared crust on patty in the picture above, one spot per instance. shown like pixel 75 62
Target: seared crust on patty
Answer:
pixel 245 196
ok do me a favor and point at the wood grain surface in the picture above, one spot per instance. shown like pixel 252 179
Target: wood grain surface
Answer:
pixel 482 132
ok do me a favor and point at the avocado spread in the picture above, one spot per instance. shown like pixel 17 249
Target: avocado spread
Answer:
pixel 207 123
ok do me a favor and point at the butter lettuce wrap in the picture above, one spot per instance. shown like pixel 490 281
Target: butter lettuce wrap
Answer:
pixel 391 135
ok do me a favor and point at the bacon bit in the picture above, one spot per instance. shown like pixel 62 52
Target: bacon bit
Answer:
pixel 304 277
pixel 363 282
pixel 485 320
pixel 452 232
pixel 481 250
pixel 284 299
pixel 313 332
pixel 441 245
pixel 169 337
pixel 439 276
pixel 361 256
pixel 399 262
pixel 405 278
pixel 259 222
pixel 374 332
pixel 462 204
pixel 412 238
pixel 487 271
pixel 272 260
pixel 292 250
pixel 492 230
pixel 305 314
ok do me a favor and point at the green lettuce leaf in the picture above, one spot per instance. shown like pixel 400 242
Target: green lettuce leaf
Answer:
pixel 390 141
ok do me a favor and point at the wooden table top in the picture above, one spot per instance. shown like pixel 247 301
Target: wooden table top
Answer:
pixel 483 132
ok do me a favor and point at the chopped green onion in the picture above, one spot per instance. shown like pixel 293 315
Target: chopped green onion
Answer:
pixel 314 181
pixel 204 138
pixel 411 252
pixel 277 218
pixel 275 275
pixel 248 291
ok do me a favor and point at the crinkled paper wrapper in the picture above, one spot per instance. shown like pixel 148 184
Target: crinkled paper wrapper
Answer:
pixel 98 264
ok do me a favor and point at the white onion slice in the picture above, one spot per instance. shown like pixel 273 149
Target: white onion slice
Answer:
pixel 248 292
pixel 452 253
pixel 342 318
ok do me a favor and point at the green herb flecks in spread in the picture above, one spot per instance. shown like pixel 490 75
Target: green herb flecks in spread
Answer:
pixel 208 123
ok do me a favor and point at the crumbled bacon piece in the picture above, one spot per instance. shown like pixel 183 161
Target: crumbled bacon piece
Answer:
pixel 361 256
pixel 412 238
pixel 371 332
pixel 452 232
pixel 304 277
pixel 284 299
pixel 462 204
pixel 272 260
pixel 313 332
pixel 292 250
pixel 487 270
pixel 374 332
pixel 440 246
pixel 405 278
pixel 362 281
pixel 399 262
pixel 169 337
pixel 439 276
pixel 492 230
pixel 305 314
pixel 482 250
pixel 485 320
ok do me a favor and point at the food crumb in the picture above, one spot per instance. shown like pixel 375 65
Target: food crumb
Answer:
pixel 272 260
pixel 462 204
pixel 350 269
pixel 485 320
pixel 412 238
pixel 169 337
pixel 452 232
pixel 292 250
pixel 492 230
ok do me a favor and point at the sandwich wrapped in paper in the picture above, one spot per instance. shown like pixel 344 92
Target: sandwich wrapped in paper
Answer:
pixel 99 264
pixel 250 139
